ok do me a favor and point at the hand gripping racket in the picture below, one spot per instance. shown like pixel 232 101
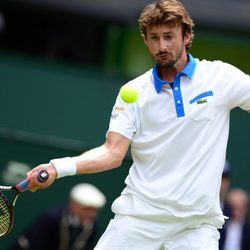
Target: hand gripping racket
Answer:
pixel 7 205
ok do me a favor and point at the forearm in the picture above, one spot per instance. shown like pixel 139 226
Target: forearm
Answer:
pixel 97 160
pixel 93 161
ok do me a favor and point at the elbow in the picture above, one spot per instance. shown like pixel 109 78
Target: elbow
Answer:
pixel 117 160
pixel 117 163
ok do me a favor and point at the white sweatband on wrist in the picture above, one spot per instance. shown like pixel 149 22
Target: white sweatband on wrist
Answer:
pixel 64 167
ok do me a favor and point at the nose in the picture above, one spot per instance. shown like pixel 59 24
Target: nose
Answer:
pixel 162 45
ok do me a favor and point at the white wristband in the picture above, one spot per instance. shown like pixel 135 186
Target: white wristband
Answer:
pixel 64 167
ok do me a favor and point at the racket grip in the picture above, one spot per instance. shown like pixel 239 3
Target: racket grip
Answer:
pixel 22 186
pixel 42 176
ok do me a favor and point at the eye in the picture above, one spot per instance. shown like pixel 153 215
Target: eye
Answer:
pixel 153 38
pixel 168 37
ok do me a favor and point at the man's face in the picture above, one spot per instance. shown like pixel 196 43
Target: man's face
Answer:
pixel 166 44
pixel 83 213
pixel 225 182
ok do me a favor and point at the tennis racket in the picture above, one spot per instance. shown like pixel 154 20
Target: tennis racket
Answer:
pixel 7 204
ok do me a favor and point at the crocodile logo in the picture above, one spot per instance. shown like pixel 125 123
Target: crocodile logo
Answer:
pixel 201 101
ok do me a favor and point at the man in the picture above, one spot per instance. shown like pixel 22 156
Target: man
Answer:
pixel 70 227
pixel 237 229
pixel 178 131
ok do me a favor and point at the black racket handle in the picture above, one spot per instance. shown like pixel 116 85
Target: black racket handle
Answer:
pixel 42 176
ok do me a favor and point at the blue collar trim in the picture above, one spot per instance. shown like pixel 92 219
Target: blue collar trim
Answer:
pixel 188 71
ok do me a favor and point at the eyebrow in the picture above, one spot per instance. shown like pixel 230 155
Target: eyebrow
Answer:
pixel 165 33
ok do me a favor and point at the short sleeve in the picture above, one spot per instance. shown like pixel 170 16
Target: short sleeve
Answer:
pixel 123 118
pixel 236 87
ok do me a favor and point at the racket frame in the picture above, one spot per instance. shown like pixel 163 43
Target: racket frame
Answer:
pixel 9 206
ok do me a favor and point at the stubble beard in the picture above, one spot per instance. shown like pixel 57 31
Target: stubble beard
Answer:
pixel 171 62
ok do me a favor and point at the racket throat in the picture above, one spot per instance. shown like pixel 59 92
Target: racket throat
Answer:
pixel 14 200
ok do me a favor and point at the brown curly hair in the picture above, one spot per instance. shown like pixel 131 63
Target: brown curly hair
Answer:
pixel 166 11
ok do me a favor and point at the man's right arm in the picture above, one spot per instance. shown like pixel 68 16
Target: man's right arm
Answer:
pixel 108 156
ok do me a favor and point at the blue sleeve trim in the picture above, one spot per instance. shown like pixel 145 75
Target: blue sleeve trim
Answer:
pixel 202 95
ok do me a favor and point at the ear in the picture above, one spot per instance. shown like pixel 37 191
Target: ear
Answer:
pixel 187 38
pixel 145 40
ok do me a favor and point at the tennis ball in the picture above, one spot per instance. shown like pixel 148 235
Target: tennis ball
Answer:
pixel 129 94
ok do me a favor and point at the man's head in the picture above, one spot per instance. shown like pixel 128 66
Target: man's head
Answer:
pixel 170 12
pixel 238 200
pixel 85 202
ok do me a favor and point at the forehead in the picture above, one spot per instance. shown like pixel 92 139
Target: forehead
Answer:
pixel 163 28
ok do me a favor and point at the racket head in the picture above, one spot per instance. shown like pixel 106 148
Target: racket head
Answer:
pixel 6 215
pixel 7 208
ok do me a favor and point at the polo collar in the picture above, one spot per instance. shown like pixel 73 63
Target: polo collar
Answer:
pixel 188 71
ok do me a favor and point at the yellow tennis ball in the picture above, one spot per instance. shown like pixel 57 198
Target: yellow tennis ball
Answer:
pixel 129 94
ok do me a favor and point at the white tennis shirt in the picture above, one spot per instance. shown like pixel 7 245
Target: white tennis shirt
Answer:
pixel 179 133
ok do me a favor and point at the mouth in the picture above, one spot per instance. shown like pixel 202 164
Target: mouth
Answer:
pixel 162 56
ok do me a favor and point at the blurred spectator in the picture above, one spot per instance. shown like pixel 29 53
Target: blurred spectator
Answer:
pixel 237 228
pixel 225 184
pixel 71 227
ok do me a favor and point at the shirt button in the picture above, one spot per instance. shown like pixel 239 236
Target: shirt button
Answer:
pixel 178 101
pixel 176 88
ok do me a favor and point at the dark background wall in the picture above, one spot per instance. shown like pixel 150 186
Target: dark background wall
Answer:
pixel 60 72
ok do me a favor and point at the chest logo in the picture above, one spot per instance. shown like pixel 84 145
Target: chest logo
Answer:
pixel 201 101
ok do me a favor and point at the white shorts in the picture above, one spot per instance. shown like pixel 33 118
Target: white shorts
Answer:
pixel 131 233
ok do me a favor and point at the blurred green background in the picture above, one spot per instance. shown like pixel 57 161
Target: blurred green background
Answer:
pixel 53 106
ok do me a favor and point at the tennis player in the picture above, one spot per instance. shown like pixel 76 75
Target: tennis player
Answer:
pixel 178 131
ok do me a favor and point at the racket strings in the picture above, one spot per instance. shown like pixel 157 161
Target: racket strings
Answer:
pixel 5 217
